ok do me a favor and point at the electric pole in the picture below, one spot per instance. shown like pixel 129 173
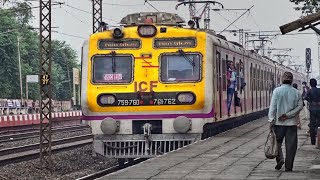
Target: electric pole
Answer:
pixel 96 15
pixel 45 84
pixel 19 60
pixel 281 57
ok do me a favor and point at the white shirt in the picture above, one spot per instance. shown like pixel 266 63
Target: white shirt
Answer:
pixel 285 100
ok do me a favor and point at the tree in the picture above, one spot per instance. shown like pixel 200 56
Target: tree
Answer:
pixel 8 55
pixel 14 23
pixel 64 58
pixel 307 6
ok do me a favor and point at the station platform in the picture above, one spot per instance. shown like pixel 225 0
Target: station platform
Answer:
pixel 235 154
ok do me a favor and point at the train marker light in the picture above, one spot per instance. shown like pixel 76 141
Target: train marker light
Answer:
pixel 185 97
pixel 117 33
pixel 146 55
pixel 147 30
pixel 182 124
pixel 109 126
pixel 106 99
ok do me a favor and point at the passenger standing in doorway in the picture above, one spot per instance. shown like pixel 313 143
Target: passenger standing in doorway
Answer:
pixel 232 84
pixel 313 98
pixel 242 77
pixel 286 103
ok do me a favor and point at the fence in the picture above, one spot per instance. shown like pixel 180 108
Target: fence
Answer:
pixel 14 106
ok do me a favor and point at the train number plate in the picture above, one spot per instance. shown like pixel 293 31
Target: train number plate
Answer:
pixel 137 102
pixel 134 102
pixel 164 101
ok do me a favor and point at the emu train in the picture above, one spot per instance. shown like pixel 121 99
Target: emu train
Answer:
pixel 153 85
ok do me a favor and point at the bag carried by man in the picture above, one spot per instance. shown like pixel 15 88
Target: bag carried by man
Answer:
pixel 271 146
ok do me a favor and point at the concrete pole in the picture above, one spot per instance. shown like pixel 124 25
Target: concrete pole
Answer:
pixel 27 96
pixel 19 60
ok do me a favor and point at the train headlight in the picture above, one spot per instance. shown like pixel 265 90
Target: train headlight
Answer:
pixel 117 33
pixel 182 124
pixel 147 30
pixel 109 126
pixel 186 98
pixel 106 99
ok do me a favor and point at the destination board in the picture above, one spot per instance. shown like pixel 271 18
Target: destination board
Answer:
pixel 119 44
pixel 175 43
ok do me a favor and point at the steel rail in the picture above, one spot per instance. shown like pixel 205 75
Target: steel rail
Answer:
pixel 9 129
pixel 18 154
pixel 21 136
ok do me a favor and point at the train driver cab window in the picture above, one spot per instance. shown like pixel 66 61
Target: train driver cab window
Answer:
pixel 112 69
pixel 180 67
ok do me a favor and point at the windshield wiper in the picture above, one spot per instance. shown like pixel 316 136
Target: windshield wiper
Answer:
pixel 183 54
pixel 113 58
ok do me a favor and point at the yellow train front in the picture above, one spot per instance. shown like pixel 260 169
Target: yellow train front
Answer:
pixel 143 86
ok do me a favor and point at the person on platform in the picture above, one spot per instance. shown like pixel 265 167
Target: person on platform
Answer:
pixel 305 89
pixel 286 103
pixel 295 85
pixel 313 98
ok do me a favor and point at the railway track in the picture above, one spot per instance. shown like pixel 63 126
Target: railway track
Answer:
pixel 28 127
pixel 33 133
pixel 22 153
pixel 112 169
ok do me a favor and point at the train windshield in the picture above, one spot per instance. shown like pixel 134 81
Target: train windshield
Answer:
pixel 112 69
pixel 181 67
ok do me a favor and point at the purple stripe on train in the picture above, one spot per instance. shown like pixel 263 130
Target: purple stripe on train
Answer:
pixel 151 116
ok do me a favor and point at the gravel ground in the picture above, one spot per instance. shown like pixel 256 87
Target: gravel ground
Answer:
pixel 55 136
pixel 67 165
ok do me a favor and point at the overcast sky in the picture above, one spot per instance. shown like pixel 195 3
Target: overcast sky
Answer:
pixel 74 18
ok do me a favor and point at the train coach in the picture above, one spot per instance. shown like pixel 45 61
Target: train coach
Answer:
pixel 153 85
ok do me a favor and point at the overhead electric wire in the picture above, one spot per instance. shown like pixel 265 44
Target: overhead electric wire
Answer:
pixel 239 9
pixel 75 17
pixel 269 40
pixel 13 10
pixel 237 18
pixel 226 19
pixel 113 4
pixel 298 34
pixel 146 1
pixel 70 35
pixel 254 21
pixel 88 12
pixel 203 9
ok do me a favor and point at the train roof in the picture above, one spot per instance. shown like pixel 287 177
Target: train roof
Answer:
pixel 236 47
pixel 171 19
pixel 158 18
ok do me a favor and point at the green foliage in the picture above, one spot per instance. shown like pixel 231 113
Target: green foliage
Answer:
pixel 307 6
pixel 14 23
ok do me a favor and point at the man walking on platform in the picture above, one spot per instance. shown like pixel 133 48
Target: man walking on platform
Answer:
pixel 305 89
pixel 313 98
pixel 286 103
